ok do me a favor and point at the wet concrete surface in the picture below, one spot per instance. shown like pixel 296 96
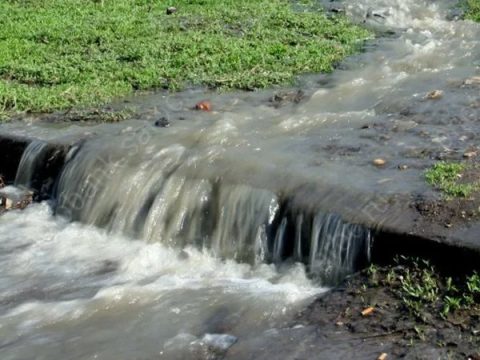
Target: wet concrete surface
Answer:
pixel 392 198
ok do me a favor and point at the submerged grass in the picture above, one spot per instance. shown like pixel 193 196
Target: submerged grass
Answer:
pixel 55 54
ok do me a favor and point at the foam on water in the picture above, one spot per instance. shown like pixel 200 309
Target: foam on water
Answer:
pixel 62 278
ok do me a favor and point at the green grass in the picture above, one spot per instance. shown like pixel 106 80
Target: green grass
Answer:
pixel 446 176
pixel 55 54
pixel 422 289
pixel 473 10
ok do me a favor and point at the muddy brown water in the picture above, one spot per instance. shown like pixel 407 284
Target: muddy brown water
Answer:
pixel 99 272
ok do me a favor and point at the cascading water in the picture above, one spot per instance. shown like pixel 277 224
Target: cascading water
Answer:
pixel 179 241
pixel 32 159
pixel 154 199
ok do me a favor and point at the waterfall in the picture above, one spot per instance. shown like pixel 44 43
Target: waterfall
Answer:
pixel 32 158
pixel 330 247
pixel 155 199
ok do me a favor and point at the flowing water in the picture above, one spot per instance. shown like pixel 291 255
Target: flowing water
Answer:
pixel 190 240
pixel 31 159
pixel 73 291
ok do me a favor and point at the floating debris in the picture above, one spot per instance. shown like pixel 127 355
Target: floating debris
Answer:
pixel 204 105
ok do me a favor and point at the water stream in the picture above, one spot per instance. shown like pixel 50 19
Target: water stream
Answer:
pixel 185 241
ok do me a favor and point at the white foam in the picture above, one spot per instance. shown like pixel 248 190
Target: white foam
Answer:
pixel 60 255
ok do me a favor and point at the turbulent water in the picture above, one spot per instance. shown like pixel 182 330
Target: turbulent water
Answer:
pixel 190 240
pixel 73 291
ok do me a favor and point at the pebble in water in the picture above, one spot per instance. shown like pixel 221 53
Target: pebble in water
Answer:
pixel 162 122
pixel 379 162
pixel 473 81
pixel 469 154
pixel 434 95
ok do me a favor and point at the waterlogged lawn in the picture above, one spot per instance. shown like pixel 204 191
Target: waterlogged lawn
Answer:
pixel 56 54
pixel 473 10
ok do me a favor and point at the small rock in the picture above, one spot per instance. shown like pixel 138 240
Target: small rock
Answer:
pixel 368 311
pixel 6 203
pixel 402 167
pixel 204 105
pixel 473 81
pixel 339 323
pixel 162 122
pixel 379 162
pixel 219 341
pixel 14 198
pixel 281 98
pixel 474 356
pixel 171 10
pixel 383 356
pixel 372 14
pixel 337 10
pixel 2 182
pixel 469 154
pixel 434 95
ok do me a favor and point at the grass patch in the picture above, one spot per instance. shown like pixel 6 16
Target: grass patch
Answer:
pixel 55 54
pixel 423 291
pixel 473 10
pixel 447 177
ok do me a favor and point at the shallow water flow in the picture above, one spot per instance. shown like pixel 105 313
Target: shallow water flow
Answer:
pixel 183 241
pixel 76 292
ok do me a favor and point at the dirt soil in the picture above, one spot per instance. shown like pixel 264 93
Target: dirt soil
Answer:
pixel 452 212
pixel 390 327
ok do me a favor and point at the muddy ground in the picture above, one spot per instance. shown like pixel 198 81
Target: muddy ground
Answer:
pixel 392 327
